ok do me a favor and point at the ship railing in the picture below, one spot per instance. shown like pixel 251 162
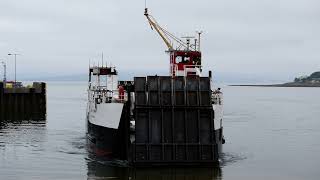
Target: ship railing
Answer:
pixel 217 97
pixel 109 96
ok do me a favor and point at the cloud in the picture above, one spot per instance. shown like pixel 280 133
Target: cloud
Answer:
pixel 258 37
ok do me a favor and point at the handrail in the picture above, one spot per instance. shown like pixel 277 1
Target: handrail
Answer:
pixel 109 96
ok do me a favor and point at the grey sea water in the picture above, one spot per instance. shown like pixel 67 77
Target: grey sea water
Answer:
pixel 271 133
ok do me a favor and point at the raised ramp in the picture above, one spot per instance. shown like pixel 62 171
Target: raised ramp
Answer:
pixel 174 121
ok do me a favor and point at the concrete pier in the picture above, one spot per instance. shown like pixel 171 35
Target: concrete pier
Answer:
pixel 23 103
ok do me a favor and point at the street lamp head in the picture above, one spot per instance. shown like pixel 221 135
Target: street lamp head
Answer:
pixel 10 54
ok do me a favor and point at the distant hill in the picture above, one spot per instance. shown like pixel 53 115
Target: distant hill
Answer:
pixel 313 78
pixel 315 75
pixel 304 81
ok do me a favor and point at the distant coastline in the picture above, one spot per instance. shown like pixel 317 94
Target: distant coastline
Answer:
pixel 304 81
pixel 281 85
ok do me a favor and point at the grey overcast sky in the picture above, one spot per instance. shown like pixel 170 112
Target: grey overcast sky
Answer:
pixel 257 37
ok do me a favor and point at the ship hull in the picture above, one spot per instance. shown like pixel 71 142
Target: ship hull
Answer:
pixel 102 141
pixel 219 139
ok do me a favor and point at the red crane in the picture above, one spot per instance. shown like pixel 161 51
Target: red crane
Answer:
pixel 185 58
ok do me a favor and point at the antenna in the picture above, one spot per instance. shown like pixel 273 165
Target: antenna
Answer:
pixel 145 3
pixel 199 38
pixel 188 40
pixel 102 58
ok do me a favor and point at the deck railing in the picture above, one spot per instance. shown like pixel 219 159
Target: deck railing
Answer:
pixel 217 98
pixel 102 95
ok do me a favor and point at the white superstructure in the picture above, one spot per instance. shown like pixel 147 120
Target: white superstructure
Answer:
pixel 105 97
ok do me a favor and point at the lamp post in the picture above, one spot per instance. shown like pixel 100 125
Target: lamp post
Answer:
pixel 4 73
pixel 15 66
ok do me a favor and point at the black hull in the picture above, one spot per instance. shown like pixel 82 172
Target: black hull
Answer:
pixel 102 140
pixel 106 143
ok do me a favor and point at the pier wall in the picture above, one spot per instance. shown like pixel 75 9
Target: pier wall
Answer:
pixel 23 103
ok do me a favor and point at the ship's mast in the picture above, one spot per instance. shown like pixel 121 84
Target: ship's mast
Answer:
pixel 199 38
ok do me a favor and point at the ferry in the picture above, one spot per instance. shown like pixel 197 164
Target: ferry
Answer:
pixel 157 120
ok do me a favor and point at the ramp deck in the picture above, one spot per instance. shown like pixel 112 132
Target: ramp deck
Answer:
pixel 174 121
